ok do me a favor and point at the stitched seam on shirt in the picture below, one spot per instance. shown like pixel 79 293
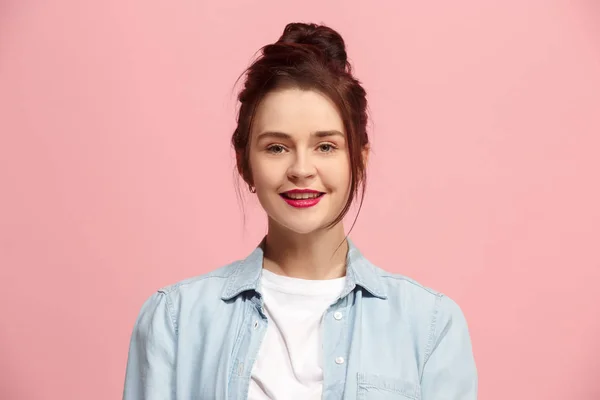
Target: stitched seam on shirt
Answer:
pixel 400 278
pixel 238 342
pixel 169 289
pixel 170 309
pixel 431 339
pixel 401 391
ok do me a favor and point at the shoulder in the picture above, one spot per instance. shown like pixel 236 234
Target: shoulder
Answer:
pixel 416 298
pixel 398 284
pixel 215 277
pixel 430 313
pixel 201 290
pixel 198 293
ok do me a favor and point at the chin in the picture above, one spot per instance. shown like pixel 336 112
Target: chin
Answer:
pixel 301 227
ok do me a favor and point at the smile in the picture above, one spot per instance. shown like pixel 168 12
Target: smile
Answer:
pixel 302 198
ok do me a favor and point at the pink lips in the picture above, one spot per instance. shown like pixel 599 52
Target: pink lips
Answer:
pixel 302 203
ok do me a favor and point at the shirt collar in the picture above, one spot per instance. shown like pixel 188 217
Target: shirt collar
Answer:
pixel 359 272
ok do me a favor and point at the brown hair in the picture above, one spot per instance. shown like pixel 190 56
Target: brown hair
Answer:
pixel 309 57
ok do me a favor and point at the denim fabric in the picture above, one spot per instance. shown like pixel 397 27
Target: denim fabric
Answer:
pixel 198 339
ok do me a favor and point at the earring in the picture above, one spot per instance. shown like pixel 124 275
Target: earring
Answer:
pixel 252 189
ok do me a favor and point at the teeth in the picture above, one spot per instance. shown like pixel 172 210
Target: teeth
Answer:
pixel 300 196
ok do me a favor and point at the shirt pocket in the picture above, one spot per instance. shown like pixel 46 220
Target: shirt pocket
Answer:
pixel 382 387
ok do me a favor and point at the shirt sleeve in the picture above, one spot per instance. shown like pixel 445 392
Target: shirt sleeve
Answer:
pixel 449 372
pixel 150 372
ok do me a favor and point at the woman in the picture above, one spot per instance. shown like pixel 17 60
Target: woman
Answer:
pixel 305 315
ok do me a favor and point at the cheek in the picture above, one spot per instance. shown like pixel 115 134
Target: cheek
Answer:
pixel 265 173
pixel 337 173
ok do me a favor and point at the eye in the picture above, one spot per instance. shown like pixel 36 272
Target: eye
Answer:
pixel 276 149
pixel 326 147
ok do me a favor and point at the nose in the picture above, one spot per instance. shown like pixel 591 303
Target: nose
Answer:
pixel 302 167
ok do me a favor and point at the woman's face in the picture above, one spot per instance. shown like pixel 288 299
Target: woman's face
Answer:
pixel 298 143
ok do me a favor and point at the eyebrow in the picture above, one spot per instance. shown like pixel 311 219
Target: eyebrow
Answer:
pixel 282 135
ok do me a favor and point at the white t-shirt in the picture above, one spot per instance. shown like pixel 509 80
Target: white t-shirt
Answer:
pixel 289 361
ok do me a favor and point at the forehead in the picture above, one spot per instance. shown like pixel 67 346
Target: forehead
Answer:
pixel 297 111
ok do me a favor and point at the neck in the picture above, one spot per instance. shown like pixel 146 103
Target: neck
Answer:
pixel 314 256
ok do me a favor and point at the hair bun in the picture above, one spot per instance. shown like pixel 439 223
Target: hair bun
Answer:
pixel 326 39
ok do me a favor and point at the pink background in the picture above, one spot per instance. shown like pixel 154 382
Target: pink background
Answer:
pixel 116 174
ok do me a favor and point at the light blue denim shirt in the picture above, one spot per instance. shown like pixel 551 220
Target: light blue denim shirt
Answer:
pixel 198 339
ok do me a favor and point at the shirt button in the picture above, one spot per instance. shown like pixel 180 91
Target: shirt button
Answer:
pixel 255 324
pixel 339 360
pixel 337 315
